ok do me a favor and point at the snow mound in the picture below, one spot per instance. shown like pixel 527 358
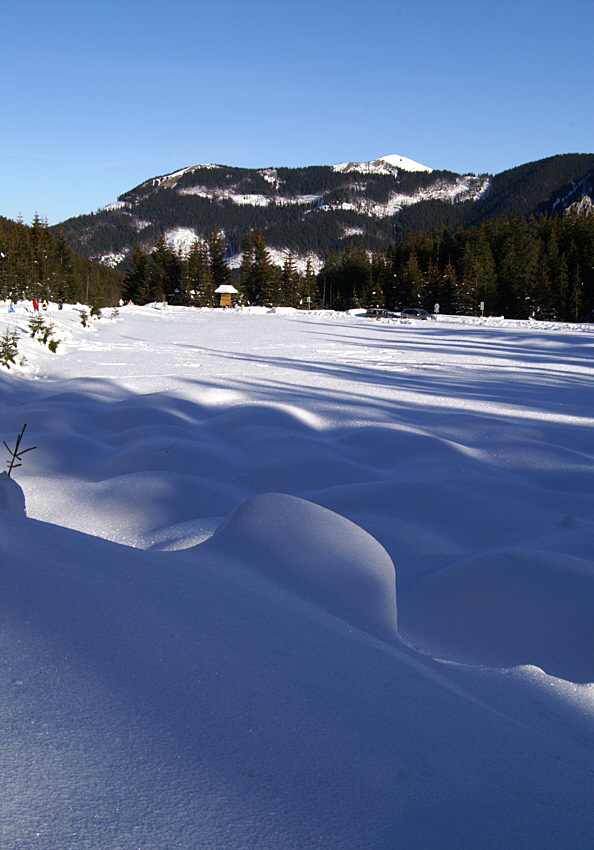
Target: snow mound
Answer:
pixel 511 609
pixel 12 497
pixel 315 554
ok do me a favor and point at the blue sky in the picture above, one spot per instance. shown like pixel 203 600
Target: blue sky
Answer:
pixel 98 96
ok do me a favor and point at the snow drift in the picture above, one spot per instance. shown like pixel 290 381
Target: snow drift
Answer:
pixel 507 609
pixel 316 554
pixel 199 642
pixel 12 497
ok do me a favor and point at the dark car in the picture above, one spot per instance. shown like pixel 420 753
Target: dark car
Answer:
pixel 379 313
pixel 416 313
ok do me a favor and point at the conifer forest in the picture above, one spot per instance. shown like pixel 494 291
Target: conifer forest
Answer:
pixel 538 267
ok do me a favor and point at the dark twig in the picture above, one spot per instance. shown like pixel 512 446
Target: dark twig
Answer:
pixel 15 454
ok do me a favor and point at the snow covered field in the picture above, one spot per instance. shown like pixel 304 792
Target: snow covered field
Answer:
pixel 293 580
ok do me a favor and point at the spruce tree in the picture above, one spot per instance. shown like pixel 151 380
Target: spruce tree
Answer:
pixel 219 268
pixel 165 272
pixel 309 287
pixel 137 278
pixel 260 278
pixel 66 286
pixel 198 278
pixel 244 277
pixel 411 283
pixel 290 294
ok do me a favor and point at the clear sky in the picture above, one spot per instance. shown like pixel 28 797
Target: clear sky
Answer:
pixel 96 96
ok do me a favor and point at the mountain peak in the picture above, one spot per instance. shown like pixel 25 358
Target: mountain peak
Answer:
pixel 383 165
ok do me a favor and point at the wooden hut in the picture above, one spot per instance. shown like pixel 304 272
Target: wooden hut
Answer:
pixel 225 292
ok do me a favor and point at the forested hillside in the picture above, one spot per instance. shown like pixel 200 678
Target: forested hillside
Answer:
pixel 315 210
pixel 507 264
pixel 37 263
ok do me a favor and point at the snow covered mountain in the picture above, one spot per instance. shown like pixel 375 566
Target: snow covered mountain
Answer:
pixel 383 165
pixel 312 210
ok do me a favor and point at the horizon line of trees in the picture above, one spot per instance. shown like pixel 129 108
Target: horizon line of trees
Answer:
pixel 541 267
pixel 193 277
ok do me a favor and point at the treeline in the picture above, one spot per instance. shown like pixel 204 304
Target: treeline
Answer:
pixel 193 277
pixel 35 263
pixel 541 268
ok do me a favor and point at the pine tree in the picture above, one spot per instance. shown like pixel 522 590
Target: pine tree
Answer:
pixel 247 258
pixel 165 272
pixel 387 275
pixel 40 247
pixel 478 274
pixel 65 286
pixel 219 268
pixel 198 278
pixel 137 279
pixel 259 280
pixel 411 283
pixel 289 280
pixel 309 287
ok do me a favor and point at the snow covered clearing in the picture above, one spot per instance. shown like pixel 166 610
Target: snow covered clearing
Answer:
pixel 252 199
pixel 292 579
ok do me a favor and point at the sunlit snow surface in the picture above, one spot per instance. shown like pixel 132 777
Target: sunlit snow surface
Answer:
pixel 334 588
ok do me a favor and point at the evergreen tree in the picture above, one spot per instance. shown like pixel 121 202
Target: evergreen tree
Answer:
pixel 165 272
pixel 289 284
pixel 137 278
pixel 219 268
pixel 40 247
pixel 356 284
pixel 309 287
pixel 260 279
pixel 386 269
pixel 65 285
pixel 478 274
pixel 411 283
pixel 247 258
pixel 197 284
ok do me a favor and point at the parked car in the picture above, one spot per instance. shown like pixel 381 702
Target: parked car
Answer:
pixel 379 313
pixel 416 313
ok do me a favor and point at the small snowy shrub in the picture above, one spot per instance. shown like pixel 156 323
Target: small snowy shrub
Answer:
pixel 8 347
pixel 47 333
pixel 36 325
pixel 84 318
pixel 44 331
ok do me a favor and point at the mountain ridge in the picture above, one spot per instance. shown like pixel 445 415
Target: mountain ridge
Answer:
pixel 311 210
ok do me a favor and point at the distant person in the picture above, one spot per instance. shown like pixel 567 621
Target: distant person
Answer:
pixel 11 307
pixel 60 304
pixel 35 304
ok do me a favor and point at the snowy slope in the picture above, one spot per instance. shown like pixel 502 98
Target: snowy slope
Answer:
pixel 383 165
pixel 291 580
